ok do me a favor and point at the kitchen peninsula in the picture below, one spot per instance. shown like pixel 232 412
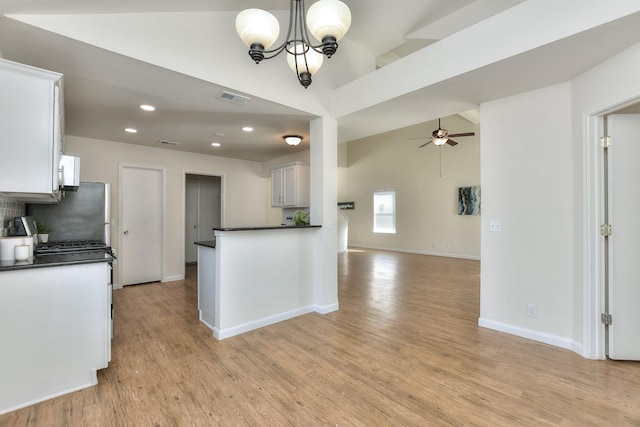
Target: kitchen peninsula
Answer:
pixel 250 277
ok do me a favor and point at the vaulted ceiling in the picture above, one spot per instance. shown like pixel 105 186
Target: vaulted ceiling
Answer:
pixel 400 64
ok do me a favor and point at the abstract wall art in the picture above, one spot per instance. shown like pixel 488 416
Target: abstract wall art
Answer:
pixel 469 200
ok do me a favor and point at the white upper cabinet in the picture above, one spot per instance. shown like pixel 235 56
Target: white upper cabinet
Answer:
pixel 290 186
pixel 31 127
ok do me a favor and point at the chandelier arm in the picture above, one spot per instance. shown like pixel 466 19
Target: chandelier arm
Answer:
pixel 296 17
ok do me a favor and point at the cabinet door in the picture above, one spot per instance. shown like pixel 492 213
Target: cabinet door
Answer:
pixel 30 123
pixel 276 188
pixel 289 186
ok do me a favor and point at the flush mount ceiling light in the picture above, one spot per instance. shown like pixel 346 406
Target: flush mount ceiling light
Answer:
pixel 327 20
pixel 292 139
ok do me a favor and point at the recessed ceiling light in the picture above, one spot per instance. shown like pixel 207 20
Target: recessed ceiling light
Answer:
pixel 247 129
pixel 131 130
pixel 215 144
pixel 147 107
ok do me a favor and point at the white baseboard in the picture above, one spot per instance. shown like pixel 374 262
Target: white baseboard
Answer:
pixel 411 251
pixel 260 323
pixel 93 381
pixel 542 337
pixel 324 309
pixel 173 278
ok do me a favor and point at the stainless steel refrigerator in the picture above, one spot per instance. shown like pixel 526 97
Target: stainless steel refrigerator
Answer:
pixel 84 214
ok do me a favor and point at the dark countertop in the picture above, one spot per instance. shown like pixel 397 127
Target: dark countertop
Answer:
pixel 278 227
pixel 55 261
pixel 207 243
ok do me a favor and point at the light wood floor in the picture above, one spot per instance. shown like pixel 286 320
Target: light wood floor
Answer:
pixel 403 350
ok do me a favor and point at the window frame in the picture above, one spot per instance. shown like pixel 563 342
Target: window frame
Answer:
pixel 377 228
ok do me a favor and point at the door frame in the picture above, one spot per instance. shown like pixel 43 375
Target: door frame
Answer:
pixel 223 181
pixel 163 173
pixel 594 126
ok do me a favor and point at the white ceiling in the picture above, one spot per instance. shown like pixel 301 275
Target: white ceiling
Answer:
pixel 179 55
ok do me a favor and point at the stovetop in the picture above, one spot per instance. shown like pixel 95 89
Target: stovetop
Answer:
pixel 67 246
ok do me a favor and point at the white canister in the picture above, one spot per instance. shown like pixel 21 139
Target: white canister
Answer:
pixel 21 252
pixel 7 245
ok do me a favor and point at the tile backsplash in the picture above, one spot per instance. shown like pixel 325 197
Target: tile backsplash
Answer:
pixel 8 209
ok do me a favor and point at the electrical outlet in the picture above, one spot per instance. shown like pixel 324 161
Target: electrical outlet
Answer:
pixel 495 226
pixel 532 310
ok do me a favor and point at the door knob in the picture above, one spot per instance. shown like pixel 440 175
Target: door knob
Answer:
pixel 126 232
pixel 195 226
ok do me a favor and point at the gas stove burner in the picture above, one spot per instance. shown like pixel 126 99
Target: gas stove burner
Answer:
pixel 70 246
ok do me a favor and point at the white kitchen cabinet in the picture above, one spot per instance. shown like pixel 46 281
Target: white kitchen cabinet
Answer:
pixel 31 127
pixel 54 324
pixel 290 186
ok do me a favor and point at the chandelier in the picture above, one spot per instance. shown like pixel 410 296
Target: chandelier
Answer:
pixel 327 20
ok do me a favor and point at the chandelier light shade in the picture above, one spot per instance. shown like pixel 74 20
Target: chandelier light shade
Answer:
pixel 304 63
pixel 292 139
pixel 327 20
pixel 257 26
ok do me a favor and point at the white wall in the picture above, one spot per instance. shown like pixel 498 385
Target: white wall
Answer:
pixel 528 185
pixel 427 203
pixel 243 186
pixel 544 144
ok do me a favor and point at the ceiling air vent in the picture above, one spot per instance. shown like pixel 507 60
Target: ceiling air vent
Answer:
pixel 232 97
pixel 165 142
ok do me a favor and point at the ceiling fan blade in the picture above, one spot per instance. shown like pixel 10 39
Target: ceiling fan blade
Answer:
pixel 451 142
pixel 428 142
pixel 462 134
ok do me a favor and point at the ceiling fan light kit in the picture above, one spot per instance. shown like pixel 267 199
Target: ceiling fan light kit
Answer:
pixel 327 20
pixel 441 136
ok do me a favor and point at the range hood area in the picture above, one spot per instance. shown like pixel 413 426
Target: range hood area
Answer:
pixel 69 173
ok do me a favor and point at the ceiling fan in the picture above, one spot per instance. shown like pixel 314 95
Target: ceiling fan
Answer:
pixel 441 136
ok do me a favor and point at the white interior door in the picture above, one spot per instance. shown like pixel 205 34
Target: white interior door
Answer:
pixel 624 251
pixel 191 220
pixel 141 201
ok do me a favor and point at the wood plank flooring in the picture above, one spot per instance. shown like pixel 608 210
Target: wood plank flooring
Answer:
pixel 403 350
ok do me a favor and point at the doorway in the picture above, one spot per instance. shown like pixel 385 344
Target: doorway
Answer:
pixel 596 295
pixel 140 237
pixel 203 211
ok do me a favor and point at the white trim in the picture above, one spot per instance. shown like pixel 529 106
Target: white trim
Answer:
pixel 324 309
pixel 173 278
pixel 93 382
pixel 593 249
pixel 411 251
pixel 542 337
pixel 260 323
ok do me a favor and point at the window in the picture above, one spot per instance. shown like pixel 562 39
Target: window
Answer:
pixel 384 211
